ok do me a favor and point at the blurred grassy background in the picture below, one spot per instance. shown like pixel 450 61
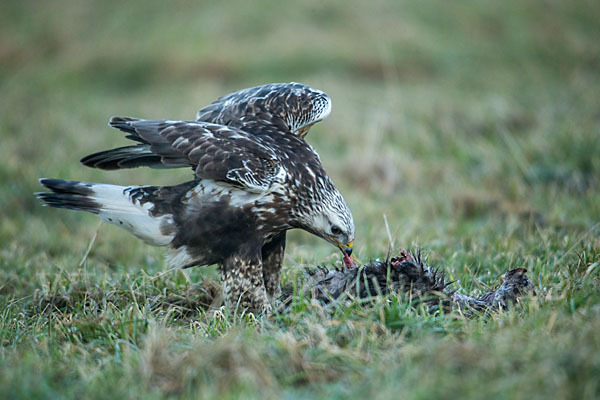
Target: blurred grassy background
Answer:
pixel 474 127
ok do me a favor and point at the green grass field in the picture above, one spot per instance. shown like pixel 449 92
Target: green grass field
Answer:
pixel 472 127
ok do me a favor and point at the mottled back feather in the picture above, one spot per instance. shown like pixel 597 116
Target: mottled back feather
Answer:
pixel 283 107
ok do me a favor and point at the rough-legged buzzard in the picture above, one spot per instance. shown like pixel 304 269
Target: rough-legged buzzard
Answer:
pixel 254 178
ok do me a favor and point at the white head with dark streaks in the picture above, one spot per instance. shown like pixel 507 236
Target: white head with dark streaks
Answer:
pixel 328 217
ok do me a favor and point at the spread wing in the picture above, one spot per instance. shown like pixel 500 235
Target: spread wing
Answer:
pixel 288 107
pixel 214 151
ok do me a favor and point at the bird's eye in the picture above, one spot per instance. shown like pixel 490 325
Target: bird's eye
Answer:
pixel 335 230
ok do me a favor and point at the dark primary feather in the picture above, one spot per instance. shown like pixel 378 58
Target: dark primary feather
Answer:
pixel 144 154
pixel 126 157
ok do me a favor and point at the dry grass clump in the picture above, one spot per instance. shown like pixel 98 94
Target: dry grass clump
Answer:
pixel 221 365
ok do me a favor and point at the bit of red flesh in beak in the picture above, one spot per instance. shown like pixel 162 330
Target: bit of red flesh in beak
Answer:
pixel 348 261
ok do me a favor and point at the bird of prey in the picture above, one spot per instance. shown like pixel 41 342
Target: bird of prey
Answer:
pixel 255 177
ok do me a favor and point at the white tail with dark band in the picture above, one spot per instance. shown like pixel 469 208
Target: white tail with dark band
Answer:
pixel 111 203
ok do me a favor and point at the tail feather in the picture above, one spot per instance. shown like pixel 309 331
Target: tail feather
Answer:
pixel 69 194
pixel 113 204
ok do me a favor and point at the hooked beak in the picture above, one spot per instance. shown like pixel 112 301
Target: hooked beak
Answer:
pixel 345 248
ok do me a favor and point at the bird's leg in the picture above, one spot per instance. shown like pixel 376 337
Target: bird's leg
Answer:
pixel 272 257
pixel 243 284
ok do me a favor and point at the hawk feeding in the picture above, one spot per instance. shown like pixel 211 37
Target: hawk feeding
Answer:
pixel 255 177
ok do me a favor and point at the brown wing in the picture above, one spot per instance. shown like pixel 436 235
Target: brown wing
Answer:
pixel 288 107
pixel 213 151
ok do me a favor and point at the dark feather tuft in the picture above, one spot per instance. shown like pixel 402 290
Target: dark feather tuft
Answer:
pixel 69 194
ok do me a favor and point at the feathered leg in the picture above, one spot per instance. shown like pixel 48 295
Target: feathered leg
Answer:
pixel 272 258
pixel 243 284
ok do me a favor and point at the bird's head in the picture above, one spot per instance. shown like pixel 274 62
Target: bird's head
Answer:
pixel 332 221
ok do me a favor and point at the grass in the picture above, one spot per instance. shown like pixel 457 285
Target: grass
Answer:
pixel 473 128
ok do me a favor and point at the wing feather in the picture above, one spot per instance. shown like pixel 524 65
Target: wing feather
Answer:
pixel 284 107
pixel 214 151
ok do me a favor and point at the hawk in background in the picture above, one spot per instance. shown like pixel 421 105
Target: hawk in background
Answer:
pixel 255 177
